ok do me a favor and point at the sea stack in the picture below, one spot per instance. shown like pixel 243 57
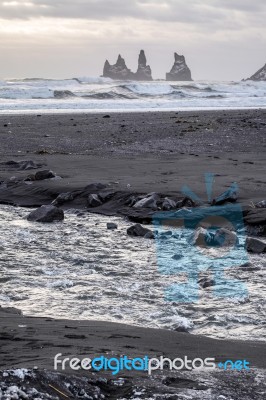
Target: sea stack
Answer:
pixel 120 71
pixel 179 71
pixel 117 71
pixel 260 75
pixel 144 71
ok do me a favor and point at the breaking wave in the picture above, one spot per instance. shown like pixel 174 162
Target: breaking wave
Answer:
pixel 100 93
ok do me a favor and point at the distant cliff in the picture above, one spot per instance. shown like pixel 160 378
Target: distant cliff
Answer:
pixel 179 71
pixel 260 75
pixel 120 71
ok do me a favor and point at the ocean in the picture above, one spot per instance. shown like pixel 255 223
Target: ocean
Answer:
pixel 105 95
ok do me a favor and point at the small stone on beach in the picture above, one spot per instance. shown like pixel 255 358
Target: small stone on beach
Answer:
pixel 111 225
pixel 254 245
pixel 139 231
pixel 45 174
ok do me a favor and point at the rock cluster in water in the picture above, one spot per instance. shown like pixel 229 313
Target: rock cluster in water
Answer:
pixel 179 71
pixel 120 71
pixel 260 75
pixel 117 71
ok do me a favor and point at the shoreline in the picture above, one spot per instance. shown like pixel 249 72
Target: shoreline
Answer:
pixel 116 336
pixel 112 335
pixel 38 340
pixel 125 111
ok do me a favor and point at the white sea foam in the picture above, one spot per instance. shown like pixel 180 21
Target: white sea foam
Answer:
pixel 79 269
pixel 153 88
pixel 103 94
pixel 89 79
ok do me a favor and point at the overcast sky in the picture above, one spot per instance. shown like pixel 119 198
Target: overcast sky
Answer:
pixel 221 39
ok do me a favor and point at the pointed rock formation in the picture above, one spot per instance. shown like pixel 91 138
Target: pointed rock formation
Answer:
pixel 117 71
pixel 260 75
pixel 120 71
pixel 144 71
pixel 179 71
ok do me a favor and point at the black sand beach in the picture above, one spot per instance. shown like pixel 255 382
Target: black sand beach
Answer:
pixel 158 151
pixel 33 342
pixel 132 153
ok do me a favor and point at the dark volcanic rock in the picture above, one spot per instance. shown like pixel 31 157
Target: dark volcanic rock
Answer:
pixel 148 202
pixel 46 214
pixel 106 196
pixel 168 204
pixel 21 165
pixel 255 245
pixel 149 235
pixel 229 195
pixel 224 237
pixel 144 71
pixel 261 204
pixel 256 216
pixel 63 198
pixel 111 225
pixel 94 200
pixel 131 200
pixel 186 202
pixel 206 282
pixel 200 237
pixel 139 230
pixel 260 75
pixel 117 71
pixel 179 71
pixel 45 174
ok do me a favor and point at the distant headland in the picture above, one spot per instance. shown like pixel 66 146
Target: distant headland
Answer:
pixel 260 75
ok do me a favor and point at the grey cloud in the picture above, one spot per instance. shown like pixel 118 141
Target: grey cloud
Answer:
pixel 241 5
pixel 189 11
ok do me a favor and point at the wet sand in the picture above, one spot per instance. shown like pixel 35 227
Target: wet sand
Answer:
pixel 28 342
pixel 149 151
